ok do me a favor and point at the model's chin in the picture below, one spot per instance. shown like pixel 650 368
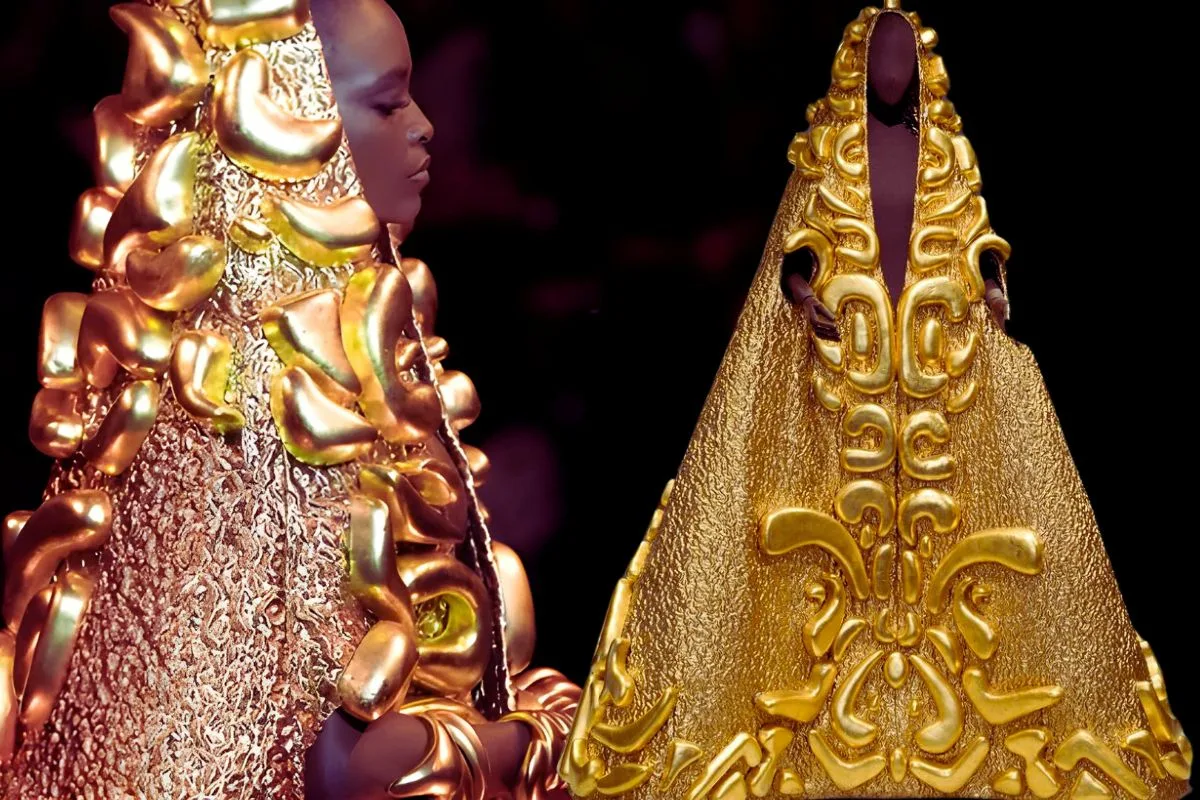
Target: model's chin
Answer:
pixel 401 216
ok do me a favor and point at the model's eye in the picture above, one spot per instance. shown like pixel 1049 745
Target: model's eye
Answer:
pixel 387 109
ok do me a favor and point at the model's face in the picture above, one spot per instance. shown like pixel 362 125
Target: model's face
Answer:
pixel 366 51
pixel 892 59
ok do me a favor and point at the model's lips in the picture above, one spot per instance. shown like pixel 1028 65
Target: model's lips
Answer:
pixel 422 173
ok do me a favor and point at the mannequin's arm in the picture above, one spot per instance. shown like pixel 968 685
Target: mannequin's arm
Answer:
pixel 797 271
pixel 993 292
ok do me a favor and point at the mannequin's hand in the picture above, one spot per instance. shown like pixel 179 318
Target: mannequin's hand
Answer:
pixel 823 323
pixel 997 303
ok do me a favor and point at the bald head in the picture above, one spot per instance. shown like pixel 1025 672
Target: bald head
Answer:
pixel 370 66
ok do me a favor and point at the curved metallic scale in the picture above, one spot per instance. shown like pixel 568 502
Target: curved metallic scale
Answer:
pixel 58 339
pixel 865 258
pixel 1083 745
pixel 55 425
pixel 681 754
pixel 978 633
pixel 1039 774
pixel 819 245
pixel 329 235
pixel 859 421
pixel 119 331
pixel 258 135
pixel 64 524
pixel 459 398
pixel 116 145
pixel 33 622
pixel 1018 549
pixel 379 673
pixel 936 77
pixel 478 463
pixel 940 144
pixel 882 570
pixel 618 683
pixel 924 261
pixel 942 734
pixel 635 735
pixel 950 778
pixel 305 330
pixel 56 644
pixel 936 291
pixel 166 73
pixel 179 276
pixel 847 150
pixel 836 204
pixel 741 748
pixel 128 422
pixel 843 289
pixel 376 321
pixel 849 727
pixel 846 74
pixel 951 208
pixel 426 499
pixel 158 207
pixel 803 704
pixel 858 497
pixel 313 428
pixel 371 564
pixel 821 630
pixel 931 425
pixel 970 263
pixel 969 166
pixel 199 377
pixel 241 23
pixel 824 394
pixel 947 646
pixel 424 292
pixel 935 505
pixel 453 660
pixel 520 629
pixel 789 529
pixel 851 628
pixel 964 400
pixel 911 575
pixel 93 213
pixel 846 775
pixel 1000 708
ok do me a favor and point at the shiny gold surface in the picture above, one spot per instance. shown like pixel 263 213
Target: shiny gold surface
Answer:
pixel 200 376
pixel 126 425
pixel 64 524
pixel 916 469
pixel 376 319
pixel 116 145
pixel 315 429
pixel 520 630
pixel 159 205
pixel 371 564
pixel 33 622
pixel 426 499
pixel 454 657
pixel 93 212
pixel 55 424
pixel 119 332
pixel 379 672
pixel 55 646
pixel 459 398
pixel 179 276
pixel 305 331
pixel 239 23
pixel 166 73
pixel 58 363
pixel 14 523
pixel 259 136
pixel 326 235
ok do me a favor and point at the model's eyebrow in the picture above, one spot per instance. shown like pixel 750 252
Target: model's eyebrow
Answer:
pixel 395 78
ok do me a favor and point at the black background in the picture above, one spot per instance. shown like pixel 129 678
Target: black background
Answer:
pixel 647 141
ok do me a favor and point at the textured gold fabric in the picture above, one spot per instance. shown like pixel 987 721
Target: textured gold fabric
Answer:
pixel 769 640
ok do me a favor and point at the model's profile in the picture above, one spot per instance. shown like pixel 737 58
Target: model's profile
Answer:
pixel 261 568
pixel 877 572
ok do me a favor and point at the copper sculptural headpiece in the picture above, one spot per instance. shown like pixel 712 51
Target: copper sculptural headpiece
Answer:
pixel 877 573
pixel 262 510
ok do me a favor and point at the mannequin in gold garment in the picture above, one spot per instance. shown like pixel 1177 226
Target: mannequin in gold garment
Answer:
pixel 877 572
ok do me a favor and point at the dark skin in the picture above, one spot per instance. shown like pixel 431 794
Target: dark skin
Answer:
pixel 892 81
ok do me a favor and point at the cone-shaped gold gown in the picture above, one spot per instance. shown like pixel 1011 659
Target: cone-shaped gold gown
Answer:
pixel 877 572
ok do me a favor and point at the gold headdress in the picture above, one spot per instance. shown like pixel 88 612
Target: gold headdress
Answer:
pixel 259 445
pixel 806 615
